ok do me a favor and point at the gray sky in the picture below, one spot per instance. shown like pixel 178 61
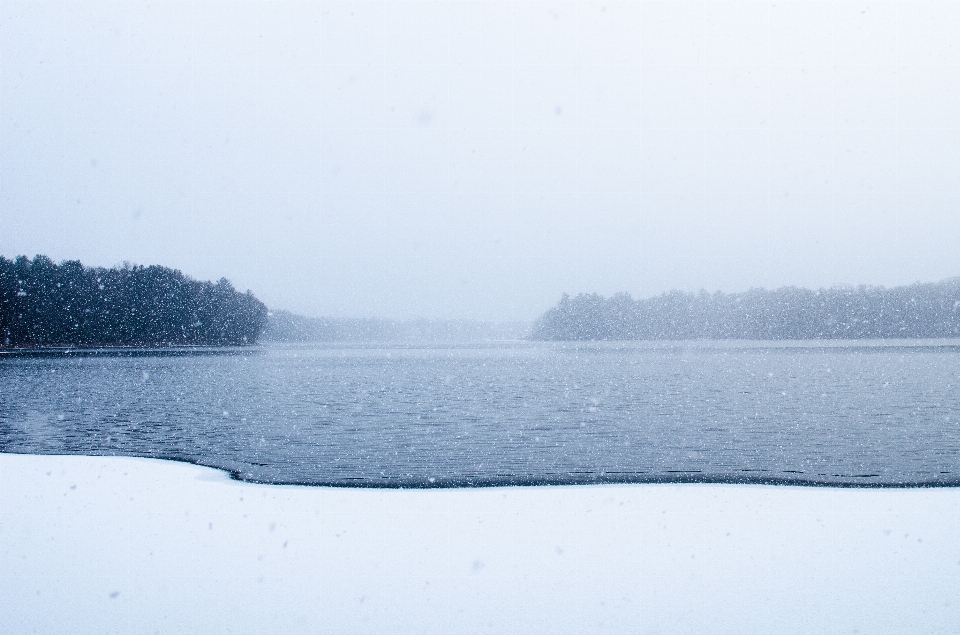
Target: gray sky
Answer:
pixel 477 159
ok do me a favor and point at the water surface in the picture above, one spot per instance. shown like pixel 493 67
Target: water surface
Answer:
pixel 839 413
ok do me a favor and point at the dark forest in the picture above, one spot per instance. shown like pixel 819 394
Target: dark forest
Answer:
pixel 914 311
pixel 45 304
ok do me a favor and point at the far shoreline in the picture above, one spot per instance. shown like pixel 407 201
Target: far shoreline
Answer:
pixel 114 350
pixel 123 350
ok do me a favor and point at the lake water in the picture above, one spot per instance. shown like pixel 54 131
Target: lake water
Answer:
pixel 851 413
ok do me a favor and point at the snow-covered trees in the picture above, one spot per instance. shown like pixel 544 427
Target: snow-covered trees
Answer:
pixel 915 311
pixel 45 304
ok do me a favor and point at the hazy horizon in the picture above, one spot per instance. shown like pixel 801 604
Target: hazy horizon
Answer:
pixel 476 160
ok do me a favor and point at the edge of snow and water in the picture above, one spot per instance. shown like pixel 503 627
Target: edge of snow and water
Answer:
pixel 755 477
pixel 117 544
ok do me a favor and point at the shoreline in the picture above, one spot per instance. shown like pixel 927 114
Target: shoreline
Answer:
pixel 117 544
pixel 582 479
pixel 160 350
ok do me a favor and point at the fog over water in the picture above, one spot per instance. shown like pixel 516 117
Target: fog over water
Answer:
pixel 478 159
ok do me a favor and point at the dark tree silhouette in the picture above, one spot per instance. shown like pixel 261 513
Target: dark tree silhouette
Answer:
pixel 915 311
pixel 45 304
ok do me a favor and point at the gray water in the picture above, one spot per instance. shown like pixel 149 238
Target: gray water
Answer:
pixel 847 413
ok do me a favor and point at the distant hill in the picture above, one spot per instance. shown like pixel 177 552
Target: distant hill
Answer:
pixel 790 313
pixel 45 304
pixel 284 326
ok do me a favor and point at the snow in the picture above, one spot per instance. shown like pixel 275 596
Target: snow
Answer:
pixel 93 544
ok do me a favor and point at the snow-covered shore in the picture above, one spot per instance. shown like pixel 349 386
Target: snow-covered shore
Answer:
pixel 122 545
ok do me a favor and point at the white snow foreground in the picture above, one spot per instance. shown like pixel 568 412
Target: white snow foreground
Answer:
pixel 121 545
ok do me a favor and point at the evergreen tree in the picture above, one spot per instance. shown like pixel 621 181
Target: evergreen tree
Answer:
pixel 915 311
pixel 45 304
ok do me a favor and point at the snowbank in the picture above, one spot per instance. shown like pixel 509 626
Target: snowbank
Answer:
pixel 90 545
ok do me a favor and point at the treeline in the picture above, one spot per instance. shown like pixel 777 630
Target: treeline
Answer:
pixel 790 313
pixel 283 326
pixel 46 304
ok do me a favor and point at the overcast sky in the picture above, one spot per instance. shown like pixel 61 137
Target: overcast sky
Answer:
pixel 478 159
